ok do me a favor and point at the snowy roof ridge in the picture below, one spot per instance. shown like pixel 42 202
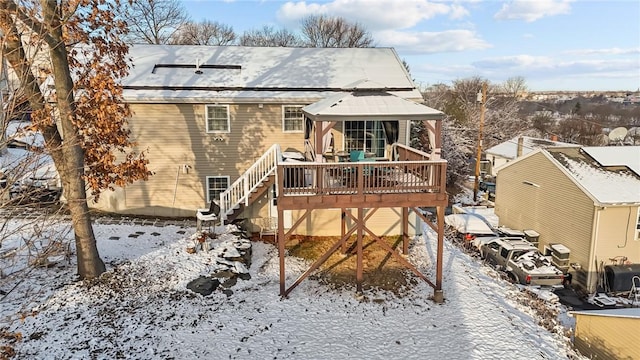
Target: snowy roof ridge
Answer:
pixel 602 184
pixel 509 149
pixel 361 105
pixel 192 69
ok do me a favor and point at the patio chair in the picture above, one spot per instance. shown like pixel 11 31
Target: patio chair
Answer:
pixel 210 215
pixel 356 155
pixel 268 226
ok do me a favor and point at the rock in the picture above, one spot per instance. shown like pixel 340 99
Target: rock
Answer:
pixel 230 282
pixel 203 285
pixel 245 277
pixel 230 252
pixel 223 274
pixel 227 292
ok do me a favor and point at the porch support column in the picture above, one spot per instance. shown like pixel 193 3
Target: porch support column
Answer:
pixel 343 229
pixel 281 241
pixel 438 136
pixel 405 230
pixel 359 276
pixel 319 142
pixel 438 295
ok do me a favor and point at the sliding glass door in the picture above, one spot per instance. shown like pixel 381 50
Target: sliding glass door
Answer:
pixel 368 136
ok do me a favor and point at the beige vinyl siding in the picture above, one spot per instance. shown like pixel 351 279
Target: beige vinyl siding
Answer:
pixel 182 154
pixel 556 208
pixel 327 222
pixel 607 337
pixel 174 135
pixel 616 234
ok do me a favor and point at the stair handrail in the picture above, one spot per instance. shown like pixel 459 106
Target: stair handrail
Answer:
pixel 238 192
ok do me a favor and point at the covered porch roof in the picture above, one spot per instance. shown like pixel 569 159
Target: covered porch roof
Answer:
pixel 369 105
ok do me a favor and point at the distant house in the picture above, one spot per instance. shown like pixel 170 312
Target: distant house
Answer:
pixel 509 150
pixel 587 199
pixel 607 334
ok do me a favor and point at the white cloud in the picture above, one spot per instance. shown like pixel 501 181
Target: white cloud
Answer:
pixel 373 14
pixel 532 10
pixel 542 67
pixel 431 42
pixel 516 61
pixel 610 51
pixel 458 11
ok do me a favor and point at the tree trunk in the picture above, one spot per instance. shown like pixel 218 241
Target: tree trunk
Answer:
pixel 71 164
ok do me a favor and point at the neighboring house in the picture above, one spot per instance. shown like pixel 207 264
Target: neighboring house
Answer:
pixel 509 150
pixel 607 334
pixel 587 199
pixel 209 118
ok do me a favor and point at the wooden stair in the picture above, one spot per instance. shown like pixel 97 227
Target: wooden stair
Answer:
pixel 258 192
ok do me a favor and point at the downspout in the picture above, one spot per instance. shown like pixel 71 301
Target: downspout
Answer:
pixel 626 231
pixel 175 187
pixel 594 240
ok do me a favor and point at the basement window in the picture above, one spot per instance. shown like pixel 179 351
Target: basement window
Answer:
pixel 215 186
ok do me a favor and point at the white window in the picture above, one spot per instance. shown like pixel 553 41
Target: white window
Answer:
pixel 217 117
pixel 292 119
pixel 215 186
pixel 368 136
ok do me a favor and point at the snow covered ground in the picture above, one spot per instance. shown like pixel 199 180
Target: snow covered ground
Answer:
pixel 141 309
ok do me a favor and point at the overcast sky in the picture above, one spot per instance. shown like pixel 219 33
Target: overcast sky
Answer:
pixel 553 44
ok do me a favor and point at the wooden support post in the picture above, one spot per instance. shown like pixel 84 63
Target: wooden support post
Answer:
pixel 318 140
pixel 359 265
pixel 405 231
pixel 281 241
pixel 438 295
pixel 343 230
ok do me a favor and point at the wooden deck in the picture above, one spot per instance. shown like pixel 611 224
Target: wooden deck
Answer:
pixel 410 181
pixel 374 184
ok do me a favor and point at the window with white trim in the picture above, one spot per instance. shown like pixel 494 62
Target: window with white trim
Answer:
pixel 368 136
pixel 292 118
pixel 215 186
pixel 217 117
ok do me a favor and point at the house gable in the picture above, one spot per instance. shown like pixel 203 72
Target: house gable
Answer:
pixel 534 193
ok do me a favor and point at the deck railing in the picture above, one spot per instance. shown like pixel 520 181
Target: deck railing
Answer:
pixel 403 152
pixel 355 178
pixel 238 193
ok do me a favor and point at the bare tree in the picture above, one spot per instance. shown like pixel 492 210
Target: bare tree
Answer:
pixel 83 122
pixel 269 37
pixel 515 87
pixel 153 21
pixel 334 32
pixel 204 33
pixel 460 104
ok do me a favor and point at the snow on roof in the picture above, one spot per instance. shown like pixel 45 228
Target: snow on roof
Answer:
pixel 175 67
pixel 605 185
pixel 367 105
pixel 624 312
pixel 628 156
pixel 18 130
pixel 468 223
pixel 509 148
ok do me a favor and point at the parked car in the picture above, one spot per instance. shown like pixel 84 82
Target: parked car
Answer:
pixel 471 228
pixel 522 262
pixel 489 188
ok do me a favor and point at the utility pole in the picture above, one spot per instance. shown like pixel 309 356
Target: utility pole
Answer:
pixel 482 98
